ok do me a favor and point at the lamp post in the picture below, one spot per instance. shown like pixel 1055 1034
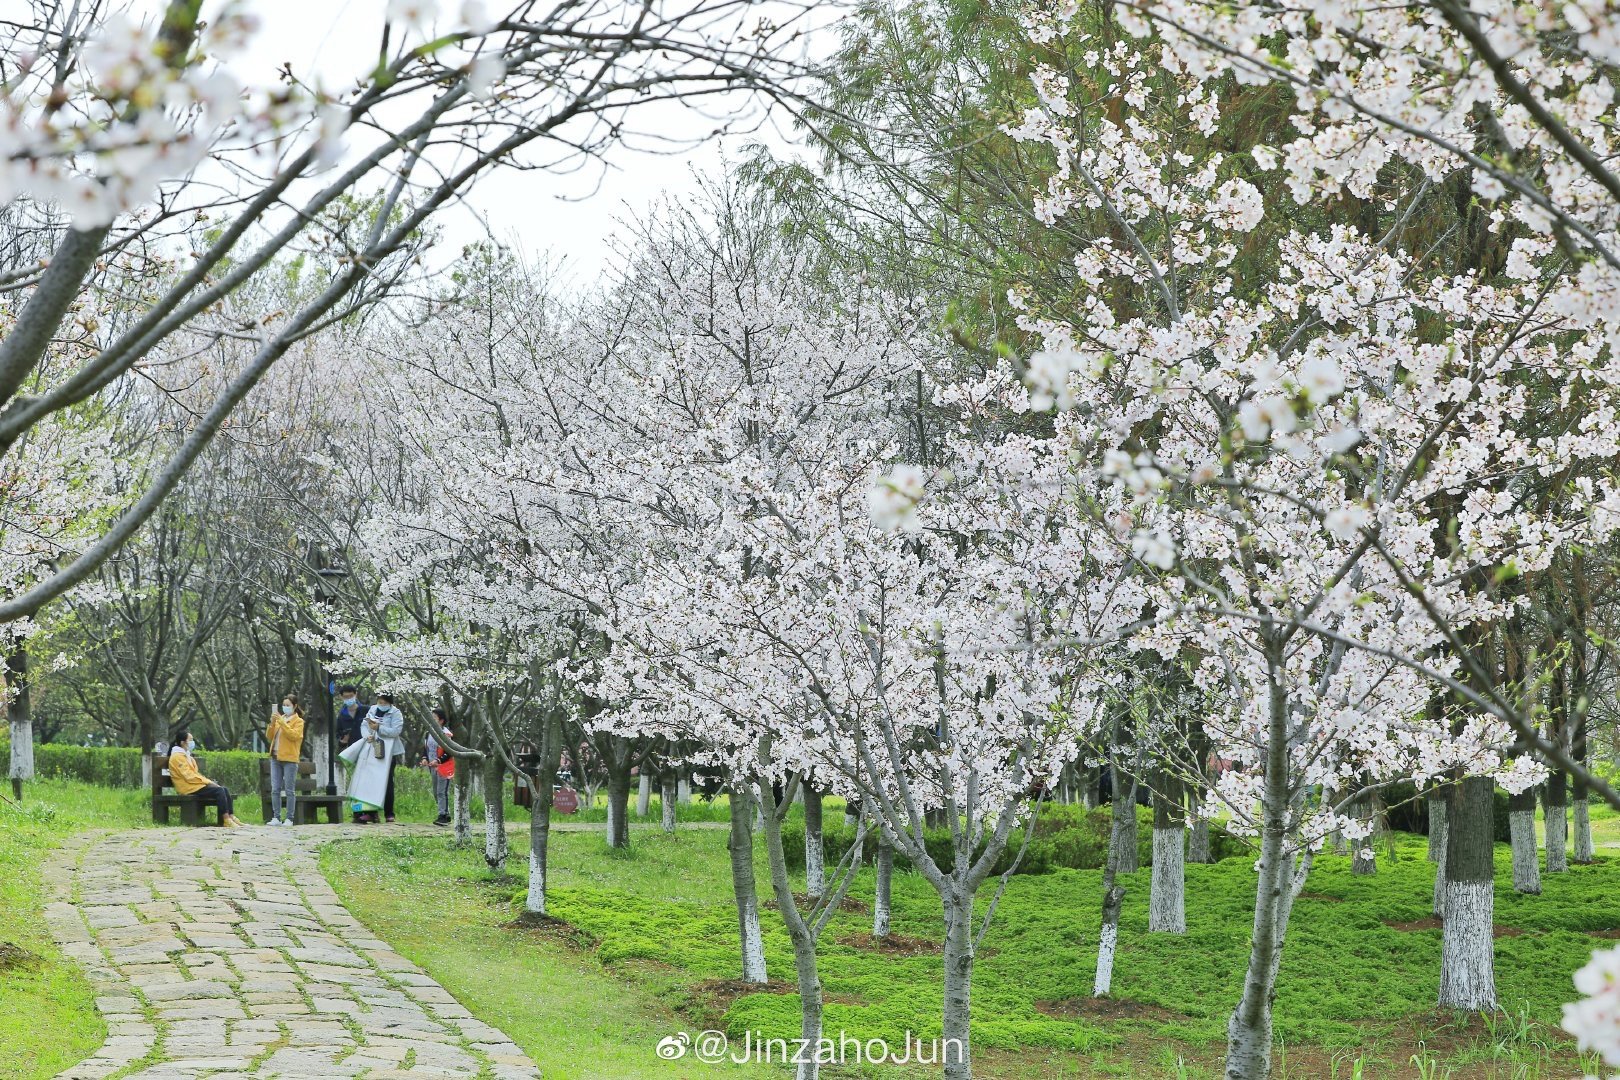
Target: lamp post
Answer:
pixel 325 574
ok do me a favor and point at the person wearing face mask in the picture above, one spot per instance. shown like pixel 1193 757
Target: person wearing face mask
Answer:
pixel 349 713
pixel 286 737
pixel 188 781
pixel 374 757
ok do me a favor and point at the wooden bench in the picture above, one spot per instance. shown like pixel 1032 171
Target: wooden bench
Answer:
pixel 193 808
pixel 309 803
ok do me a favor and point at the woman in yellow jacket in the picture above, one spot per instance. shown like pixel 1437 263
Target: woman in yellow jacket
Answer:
pixel 188 781
pixel 286 736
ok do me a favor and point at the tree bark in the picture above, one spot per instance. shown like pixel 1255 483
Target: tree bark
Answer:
pixel 1436 798
pixel 815 869
pixel 1363 860
pixel 643 793
pixel 539 842
pixel 1439 809
pixel 956 1050
pixel 1467 970
pixel 1167 904
pixel 463 784
pixel 741 846
pixel 1248 1032
pixel 884 871
pixel 618 808
pixel 667 798
pixel 20 714
pixel 1555 805
pixel 803 940
pixel 1122 834
pixel 496 848
pixel 1522 832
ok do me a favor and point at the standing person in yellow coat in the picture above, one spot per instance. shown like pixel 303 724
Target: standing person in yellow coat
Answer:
pixel 188 781
pixel 286 737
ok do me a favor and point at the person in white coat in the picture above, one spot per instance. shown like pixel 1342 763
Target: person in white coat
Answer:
pixel 375 756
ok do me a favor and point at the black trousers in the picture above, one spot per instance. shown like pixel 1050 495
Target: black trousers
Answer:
pixel 219 797
pixel 388 795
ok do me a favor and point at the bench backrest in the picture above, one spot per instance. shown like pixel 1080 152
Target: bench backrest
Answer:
pixel 160 772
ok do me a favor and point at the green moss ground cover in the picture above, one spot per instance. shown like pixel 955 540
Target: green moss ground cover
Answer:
pixel 1354 988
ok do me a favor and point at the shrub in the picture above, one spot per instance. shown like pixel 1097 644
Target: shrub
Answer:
pixel 1065 837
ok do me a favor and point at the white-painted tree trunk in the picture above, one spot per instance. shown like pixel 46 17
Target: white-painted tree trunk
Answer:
pixel 1167 903
pixel 463 786
pixel 1467 964
pixel 1467 971
pixel 22 750
pixel 1583 831
pixel 539 839
pixel 1555 807
pixel 1107 944
pixel 683 791
pixel 1522 833
pixel 741 846
pixel 496 848
pixel 1363 859
pixel 643 793
pixel 667 798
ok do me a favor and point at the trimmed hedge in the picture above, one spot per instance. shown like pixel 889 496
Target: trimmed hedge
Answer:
pixel 1065 837
pixel 120 767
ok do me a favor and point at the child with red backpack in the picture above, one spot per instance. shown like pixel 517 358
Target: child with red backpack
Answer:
pixel 442 765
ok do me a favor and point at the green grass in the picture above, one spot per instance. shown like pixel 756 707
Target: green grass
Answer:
pixel 49 1020
pixel 441 909
pixel 659 925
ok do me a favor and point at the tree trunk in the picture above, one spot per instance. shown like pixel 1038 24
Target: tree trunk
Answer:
pixel 1583 826
pixel 1248 1031
pixel 20 713
pixel 1123 831
pixel 1436 798
pixel 1363 861
pixel 815 872
pixel 1522 831
pixel 462 834
pixel 1439 838
pixel 1555 800
pixel 539 840
pixel 1091 788
pixel 1467 970
pixel 618 808
pixel 496 847
pixel 804 949
pixel 885 881
pixel 667 798
pixel 741 846
pixel 1167 904
pixel 1200 849
pixel 1108 940
pixel 956 1050
pixel 643 793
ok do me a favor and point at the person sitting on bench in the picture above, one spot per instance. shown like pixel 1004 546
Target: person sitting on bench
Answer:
pixel 188 781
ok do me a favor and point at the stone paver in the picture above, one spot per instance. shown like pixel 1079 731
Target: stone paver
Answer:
pixel 224 953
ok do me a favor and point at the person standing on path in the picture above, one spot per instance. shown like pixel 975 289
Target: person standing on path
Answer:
pixel 286 737
pixel 387 723
pixel 188 781
pixel 349 714
pixel 441 766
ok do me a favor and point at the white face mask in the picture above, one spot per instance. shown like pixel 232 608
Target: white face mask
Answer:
pixel 349 700
pixel 189 744
pixel 286 710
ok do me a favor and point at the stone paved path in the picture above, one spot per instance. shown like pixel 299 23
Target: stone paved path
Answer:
pixel 223 953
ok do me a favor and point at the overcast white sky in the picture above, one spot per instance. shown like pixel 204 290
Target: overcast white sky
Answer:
pixel 329 42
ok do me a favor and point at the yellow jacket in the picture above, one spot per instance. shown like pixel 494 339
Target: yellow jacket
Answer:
pixel 183 771
pixel 286 736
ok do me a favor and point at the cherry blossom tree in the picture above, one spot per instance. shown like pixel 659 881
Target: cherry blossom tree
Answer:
pixel 120 123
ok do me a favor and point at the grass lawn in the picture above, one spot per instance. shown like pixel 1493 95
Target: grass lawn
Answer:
pixel 49 1020
pixel 653 934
